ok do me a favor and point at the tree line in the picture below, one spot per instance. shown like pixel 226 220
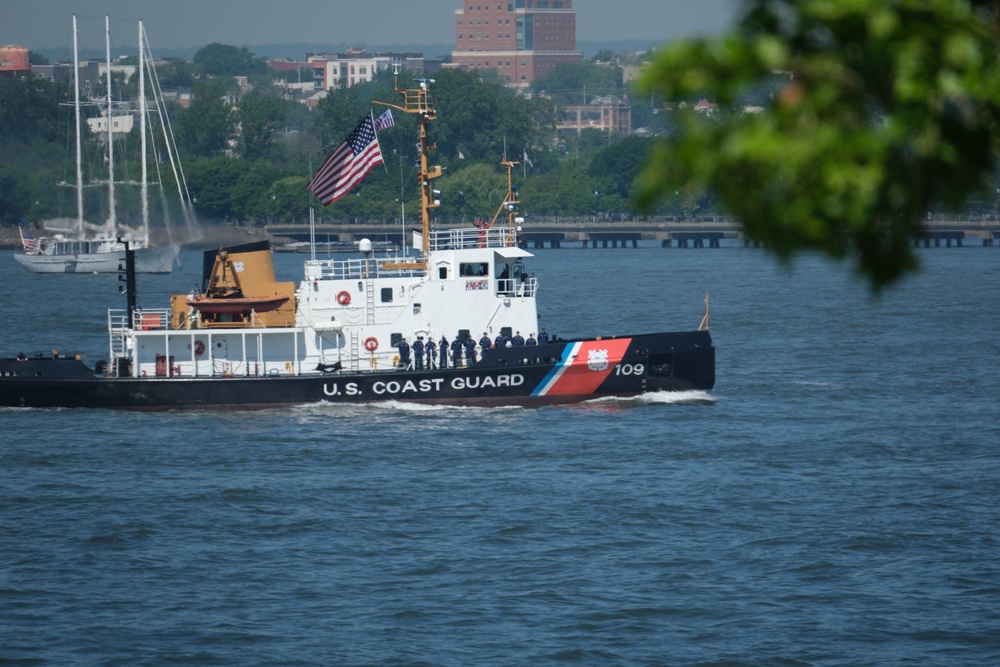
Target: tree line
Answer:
pixel 868 118
pixel 249 152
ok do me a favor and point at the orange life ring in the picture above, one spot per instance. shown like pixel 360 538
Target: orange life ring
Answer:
pixel 199 348
pixel 343 297
pixel 371 343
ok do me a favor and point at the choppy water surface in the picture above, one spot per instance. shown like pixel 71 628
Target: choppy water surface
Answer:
pixel 833 501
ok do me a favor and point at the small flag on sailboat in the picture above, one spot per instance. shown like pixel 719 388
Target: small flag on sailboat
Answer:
pixel 348 164
pixel 385 120
pixel 27 240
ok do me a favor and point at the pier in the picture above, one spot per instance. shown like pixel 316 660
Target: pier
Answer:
pixel 709 233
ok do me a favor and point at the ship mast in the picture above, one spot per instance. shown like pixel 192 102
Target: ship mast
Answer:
pixel 418 102
pixel 509 206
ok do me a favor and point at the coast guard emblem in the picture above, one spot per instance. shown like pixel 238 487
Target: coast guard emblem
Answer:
pixel 597 360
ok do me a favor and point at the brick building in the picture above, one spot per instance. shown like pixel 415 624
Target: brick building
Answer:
pixel 520 39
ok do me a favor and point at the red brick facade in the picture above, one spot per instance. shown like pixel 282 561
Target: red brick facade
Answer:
pixel 520 39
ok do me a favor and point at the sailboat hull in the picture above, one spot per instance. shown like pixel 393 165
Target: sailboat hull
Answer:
pixel 154 259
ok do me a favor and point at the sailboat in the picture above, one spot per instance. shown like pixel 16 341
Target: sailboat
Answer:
pixel 78 249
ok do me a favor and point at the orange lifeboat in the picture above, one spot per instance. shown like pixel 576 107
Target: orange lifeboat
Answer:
pixel 236 304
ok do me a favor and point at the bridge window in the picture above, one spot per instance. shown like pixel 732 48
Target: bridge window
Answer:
pixel 473 269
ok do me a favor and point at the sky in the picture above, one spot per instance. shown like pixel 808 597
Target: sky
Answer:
pixel 44 25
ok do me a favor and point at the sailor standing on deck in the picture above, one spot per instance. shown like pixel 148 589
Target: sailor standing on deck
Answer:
pixel 531 342
pixel 404 353
pixel 470 349
pixel 517 340
pixel 456 352
pixel 485 343
pixel 418 353
pixel 443 351
pixel 430 348
pixel 500 340
pixel 543 338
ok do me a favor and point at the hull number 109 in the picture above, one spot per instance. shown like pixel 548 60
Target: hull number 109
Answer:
pixel 630 369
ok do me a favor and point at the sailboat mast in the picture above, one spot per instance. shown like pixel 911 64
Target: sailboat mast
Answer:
pixel 112 221
pixel 144 188
pixel 79 154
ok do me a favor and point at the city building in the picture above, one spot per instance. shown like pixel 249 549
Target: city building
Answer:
pixel 520 39
pixel 607 113
pixel 343 70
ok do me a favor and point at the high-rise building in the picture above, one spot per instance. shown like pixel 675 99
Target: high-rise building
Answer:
pixel 520 39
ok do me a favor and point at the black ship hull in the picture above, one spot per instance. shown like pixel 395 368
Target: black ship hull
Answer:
pixel 567 371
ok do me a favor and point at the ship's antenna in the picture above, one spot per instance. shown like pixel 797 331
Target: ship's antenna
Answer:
pixel 419 102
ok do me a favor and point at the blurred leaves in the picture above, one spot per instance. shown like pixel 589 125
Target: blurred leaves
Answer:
pixel 888 108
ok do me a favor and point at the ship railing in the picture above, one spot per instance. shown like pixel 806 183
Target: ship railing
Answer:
pixel 142 320
pixel 362 269
pixel 527 286
pixel 470 237
pixel 149 320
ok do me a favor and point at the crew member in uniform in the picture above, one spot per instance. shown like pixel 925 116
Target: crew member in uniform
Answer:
pixel 443 351
pixel 517 340
pixel 543 338
pixel 456 352
pixel 430 348
pixel 531 342
pixel 418 353
pixel 500 340
pixel 404 353
pixel 470 349
pixel 485 343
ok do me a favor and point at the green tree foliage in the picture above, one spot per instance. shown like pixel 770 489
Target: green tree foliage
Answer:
pixel 566 191
pixel 249 199
pixel 206 126
pixel 481 118
pixel 211 182
pixel 176 74
pixel 14 198
pixel 616 167
pixel 289 199
pixel 889 108
pixel 260 117
pixel 35 123
pixel 578 83
pixel 225 60
pixel 33 109
pixel 473 192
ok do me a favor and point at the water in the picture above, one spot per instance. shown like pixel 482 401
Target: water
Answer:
pixel 833 501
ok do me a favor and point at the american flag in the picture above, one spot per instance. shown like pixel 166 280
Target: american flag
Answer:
pixel 385 120
pixel 27 240
pixel 348 164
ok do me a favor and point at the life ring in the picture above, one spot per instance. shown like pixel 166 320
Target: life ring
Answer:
pixel 199 348
pixel 343 297
pixel 371 343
